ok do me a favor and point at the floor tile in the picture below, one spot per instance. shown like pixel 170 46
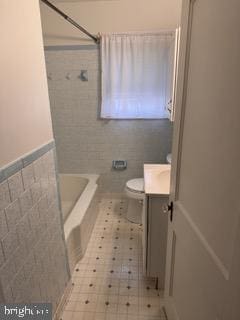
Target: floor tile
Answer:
pixel 108 282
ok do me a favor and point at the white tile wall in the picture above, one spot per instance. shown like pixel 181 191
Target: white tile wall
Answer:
pixel 15 184
pixel 13 214
pixel 86 144
pixel 33 263
pixel 4 195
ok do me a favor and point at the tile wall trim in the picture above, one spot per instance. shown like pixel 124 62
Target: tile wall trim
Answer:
pixel 71 47
pixel 27 159
pixel 63 301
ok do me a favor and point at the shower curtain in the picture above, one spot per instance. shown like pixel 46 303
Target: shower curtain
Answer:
pixel 136 70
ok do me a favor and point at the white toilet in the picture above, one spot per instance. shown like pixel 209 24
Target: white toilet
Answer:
pixel 134 190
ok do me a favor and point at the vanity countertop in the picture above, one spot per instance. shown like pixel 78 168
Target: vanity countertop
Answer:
pixel 157 178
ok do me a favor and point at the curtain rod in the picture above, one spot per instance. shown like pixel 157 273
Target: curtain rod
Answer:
pixel 50 5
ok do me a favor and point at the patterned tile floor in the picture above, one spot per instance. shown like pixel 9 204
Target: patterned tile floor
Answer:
pixel 108 282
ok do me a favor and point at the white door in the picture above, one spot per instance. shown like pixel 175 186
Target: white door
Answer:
pixel 203 257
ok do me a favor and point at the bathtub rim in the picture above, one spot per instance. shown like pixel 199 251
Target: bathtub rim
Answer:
pixel 77 213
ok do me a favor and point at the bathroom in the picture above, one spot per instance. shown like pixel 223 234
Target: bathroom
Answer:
pixel 101 210
pixel 88 143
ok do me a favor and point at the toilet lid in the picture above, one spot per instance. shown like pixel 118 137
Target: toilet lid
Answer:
pixel 136 185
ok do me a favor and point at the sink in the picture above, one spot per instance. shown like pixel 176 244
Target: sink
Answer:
pixel 169 158
pixel 157 178
pixel 164 177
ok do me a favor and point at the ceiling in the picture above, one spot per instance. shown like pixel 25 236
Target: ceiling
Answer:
pixel 79 0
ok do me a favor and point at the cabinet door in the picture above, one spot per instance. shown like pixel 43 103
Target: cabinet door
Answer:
pixel 145 233
pixel 157 238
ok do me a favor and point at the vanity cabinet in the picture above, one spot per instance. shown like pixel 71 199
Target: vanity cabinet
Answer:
pixel 155 237
pixel 155 221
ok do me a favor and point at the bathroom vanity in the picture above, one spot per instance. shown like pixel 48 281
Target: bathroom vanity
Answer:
pixel 155 221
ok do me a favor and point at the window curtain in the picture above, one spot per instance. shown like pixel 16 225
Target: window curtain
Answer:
pixel 136 75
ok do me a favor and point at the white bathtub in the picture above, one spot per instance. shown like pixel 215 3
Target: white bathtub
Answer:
pixel 79 201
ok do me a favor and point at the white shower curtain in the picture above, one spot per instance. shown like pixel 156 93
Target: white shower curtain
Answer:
pixel 136 75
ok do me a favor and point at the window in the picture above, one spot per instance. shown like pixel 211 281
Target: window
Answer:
pixel 136 75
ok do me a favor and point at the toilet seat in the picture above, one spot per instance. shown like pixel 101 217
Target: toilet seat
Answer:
pixel 135 185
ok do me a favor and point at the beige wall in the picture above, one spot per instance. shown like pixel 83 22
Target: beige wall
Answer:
pixel 25 121
pixel 108 16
